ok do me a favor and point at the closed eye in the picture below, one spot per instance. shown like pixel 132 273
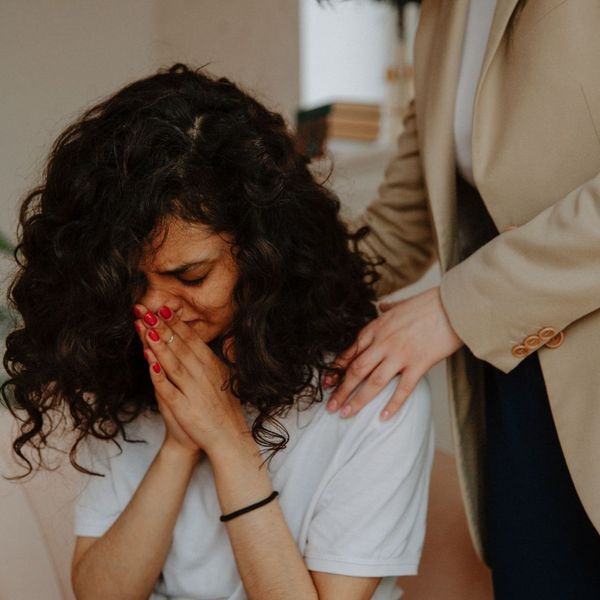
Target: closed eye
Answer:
pixel 192 282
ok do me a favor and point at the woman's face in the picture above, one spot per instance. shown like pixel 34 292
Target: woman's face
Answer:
pixel 194 274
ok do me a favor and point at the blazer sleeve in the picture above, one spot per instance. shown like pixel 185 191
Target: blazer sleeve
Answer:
pixel 542 274
pixel 401 229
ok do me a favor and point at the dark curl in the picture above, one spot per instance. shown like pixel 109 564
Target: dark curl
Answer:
pixel 185 144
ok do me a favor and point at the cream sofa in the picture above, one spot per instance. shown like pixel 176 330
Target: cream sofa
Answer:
pixel 36 543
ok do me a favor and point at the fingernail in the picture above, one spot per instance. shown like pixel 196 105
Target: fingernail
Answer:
pixel 384 415
pixel 138 327
pixel 156 368
pixel 346 410
pixel 165 312
pixel 151 318
pixel 137 312
pixel 146 354
pixel 326 381
pixel 332 406
pixel 153 335
pixel 330 381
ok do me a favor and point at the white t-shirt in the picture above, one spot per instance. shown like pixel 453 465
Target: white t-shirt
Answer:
pixel 353 491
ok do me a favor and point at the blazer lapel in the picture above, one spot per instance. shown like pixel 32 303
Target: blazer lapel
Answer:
pixel 437 122
pixel 439 79
pixel 504 10
pixel 482 143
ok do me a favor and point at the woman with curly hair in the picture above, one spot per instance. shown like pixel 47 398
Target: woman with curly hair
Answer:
pixel 184 285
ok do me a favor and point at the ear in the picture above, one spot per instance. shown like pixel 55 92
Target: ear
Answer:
pixel 229 349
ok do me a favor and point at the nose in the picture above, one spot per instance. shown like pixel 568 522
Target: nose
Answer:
pixel 154 297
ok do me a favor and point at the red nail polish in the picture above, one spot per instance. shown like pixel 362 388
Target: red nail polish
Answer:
pixel 151 318
pixel 153 335
pixel 146 354
pixel 138 326
pixel 165 312
pixel 156 368
pixel 137 312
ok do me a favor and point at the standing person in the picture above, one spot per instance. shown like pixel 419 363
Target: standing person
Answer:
pixel 497 172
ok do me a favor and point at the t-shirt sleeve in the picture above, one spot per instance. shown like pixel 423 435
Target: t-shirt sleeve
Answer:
pixel 369 520
pixel 97 505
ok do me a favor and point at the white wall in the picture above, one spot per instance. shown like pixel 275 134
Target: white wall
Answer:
pixel 345 48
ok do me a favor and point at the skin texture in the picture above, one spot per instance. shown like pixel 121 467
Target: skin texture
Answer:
pixel 200 302
pixel 203 417
pixel 409 337
pixel 206 306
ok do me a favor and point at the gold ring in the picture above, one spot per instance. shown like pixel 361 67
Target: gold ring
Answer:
pixel 170 339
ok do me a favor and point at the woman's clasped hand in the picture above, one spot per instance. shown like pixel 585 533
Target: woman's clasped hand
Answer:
pixel 189 382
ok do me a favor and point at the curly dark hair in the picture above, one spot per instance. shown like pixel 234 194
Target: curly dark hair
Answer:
pixel 179 143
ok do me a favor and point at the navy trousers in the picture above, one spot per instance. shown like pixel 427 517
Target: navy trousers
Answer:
pixel 542 545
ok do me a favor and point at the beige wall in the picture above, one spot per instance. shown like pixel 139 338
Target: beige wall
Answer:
pixel 254 42
pixel 59 56
pixel 56 57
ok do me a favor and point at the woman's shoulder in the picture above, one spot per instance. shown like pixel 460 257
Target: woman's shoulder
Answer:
pixel 417 405
pixel 379 469
pixel 315 425
pixel 416 410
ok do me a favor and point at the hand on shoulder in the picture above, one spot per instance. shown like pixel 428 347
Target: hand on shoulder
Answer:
pixel 409 337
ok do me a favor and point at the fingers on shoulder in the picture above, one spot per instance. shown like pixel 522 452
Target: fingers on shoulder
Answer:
pixel 406 387
pixel 409 392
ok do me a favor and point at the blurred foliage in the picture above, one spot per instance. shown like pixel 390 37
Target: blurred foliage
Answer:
pixel 6 316
pixel 6 246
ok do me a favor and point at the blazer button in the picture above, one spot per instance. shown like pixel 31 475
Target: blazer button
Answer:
pixel 546 333
pixel 520 350
pixel 532 341
pixel 556 341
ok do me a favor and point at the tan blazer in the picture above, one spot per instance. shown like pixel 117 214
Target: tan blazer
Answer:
pixel 536 162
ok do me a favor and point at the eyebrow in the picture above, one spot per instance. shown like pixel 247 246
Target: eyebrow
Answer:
pixel 183 268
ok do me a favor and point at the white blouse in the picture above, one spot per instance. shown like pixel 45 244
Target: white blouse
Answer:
pixel 479 22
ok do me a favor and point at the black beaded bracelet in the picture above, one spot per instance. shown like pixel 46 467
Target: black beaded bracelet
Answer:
pixel 237 513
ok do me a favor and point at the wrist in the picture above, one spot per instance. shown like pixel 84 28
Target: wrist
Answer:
pixel 458 342
pixel 240 476
pixel 232 449
pixel 179 455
